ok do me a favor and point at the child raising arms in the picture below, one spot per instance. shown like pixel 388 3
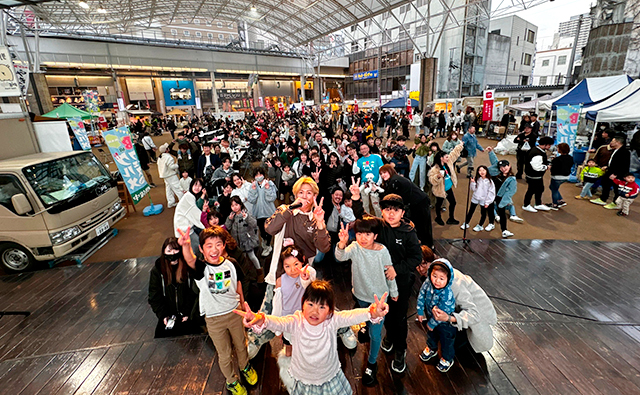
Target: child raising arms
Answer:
pixel 314 364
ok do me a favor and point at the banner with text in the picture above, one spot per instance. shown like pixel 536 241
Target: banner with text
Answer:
pixel 487 104
pixel 80 132
pixel 124 153
pixel 567 118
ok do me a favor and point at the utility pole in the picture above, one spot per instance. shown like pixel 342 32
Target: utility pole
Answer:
pixel 569 76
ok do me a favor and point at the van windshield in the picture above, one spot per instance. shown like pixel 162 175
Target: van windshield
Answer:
pixel 67 179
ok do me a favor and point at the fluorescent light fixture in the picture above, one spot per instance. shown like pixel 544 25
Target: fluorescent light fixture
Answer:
pixel 102 11
pixel 83 5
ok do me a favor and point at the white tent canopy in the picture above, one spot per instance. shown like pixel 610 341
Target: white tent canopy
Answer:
pixel 621 100
pixel 529 105
pixel 589 91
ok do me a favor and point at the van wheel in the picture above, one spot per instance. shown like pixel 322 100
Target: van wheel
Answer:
pixel 15 258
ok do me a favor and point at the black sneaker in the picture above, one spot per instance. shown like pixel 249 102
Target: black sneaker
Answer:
pixel 399 364
pixel 386 345
pixel 363 335
pixel 439 221
pixel 369 377
pixel 453 221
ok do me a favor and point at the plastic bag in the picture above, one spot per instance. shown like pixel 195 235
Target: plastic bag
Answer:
pixel 506 146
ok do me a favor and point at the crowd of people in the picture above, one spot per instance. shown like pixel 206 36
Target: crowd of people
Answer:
pixel 316 189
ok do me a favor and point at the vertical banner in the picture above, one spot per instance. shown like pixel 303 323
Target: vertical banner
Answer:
pixel 267 103
pixel 9 85
pixel 77 126
pixel 124 153
pixel 355 105
pixel 260 102
pixel 487 104
pixel 567 121
pixel 281 108
pixel 91 101
pixel 498 111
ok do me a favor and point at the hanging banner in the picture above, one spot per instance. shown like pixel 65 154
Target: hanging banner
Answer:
pixel 567 121
pixel 498 111
pixel 91 101
pixel 267 103
pixel 124 154
pixel 355 105
pixel 77 126
pixel 8 82
pixel 487 104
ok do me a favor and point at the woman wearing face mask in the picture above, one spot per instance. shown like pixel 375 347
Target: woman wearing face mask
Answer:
pixel 172 293
pixel 189 215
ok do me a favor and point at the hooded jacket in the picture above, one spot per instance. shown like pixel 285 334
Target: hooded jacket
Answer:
pixel 509 185
pixel 402 243
pixel 173 299
pixel 430 296
pixel 437 183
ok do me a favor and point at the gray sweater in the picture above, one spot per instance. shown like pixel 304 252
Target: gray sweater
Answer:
pixel 367 271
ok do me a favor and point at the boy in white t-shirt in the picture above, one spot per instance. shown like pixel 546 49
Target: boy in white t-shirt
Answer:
pixel 219 280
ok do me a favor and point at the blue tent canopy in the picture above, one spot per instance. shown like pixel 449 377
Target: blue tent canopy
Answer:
pixel 593 90
pixel 400 103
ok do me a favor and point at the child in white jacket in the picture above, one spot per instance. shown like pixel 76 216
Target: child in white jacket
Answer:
pixel 484 194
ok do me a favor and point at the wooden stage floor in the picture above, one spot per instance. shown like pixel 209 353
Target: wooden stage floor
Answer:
pixel 91 330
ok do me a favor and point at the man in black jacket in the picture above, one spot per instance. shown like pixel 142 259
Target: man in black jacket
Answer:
pixel 401 239
pixel 526 141
pixel 618 165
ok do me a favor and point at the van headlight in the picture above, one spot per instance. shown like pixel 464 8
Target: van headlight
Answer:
pixel 116 207
pixel 64 235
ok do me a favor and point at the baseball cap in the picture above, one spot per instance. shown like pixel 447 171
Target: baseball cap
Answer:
pixel 503 163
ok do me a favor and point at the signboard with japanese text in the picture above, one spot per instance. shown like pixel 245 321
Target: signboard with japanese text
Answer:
pixel 365 75
pixel 124 153
pixel 487 105
pixel 77 126
pixel 567 121
pixel 8 82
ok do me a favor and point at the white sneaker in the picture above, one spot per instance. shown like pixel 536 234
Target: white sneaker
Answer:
pixel 478 228
pixel 529 209
pixel 506 234
pixel 497 218
pixel 490 227
pixel 349 339
pixel 515 218
pixel 464 226
pixel 542 207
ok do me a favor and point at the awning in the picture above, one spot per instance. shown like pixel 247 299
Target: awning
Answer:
pixel 590 91
pixel 400 103
pixel 529 105
pixel 67 111
pixel 621 107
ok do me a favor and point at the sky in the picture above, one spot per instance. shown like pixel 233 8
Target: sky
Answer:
pixel 549 15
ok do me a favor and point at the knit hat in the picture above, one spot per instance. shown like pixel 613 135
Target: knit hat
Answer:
pixel 163 148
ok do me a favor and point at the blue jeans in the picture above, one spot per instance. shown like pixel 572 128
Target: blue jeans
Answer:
pixel 586 190
pixel 419 162
pixel 509 208
pixel 402 167
pixel 444 333
pixel 554 187
pixel 375 334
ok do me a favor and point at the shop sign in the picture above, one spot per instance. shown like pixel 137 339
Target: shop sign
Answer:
pixel 487 105
pixel 8 82
pixel 365 75
pixel 225 95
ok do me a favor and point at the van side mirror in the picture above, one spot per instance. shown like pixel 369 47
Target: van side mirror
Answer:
pixel 21 204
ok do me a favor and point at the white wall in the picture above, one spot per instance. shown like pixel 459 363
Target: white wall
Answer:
pixel 552 69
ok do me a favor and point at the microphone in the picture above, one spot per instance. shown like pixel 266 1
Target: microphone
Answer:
pixel 295 206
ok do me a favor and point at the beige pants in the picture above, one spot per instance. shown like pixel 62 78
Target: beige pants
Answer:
pixel 227 332
pixel 624 204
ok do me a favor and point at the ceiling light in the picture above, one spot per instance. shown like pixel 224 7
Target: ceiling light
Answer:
pixel 102 11
pixel 83 5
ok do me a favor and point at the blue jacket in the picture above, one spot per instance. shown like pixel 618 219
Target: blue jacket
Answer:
pixel 429 296
pixel 471 144
pixel 509 186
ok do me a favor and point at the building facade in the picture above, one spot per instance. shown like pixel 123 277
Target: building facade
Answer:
pixel 522 48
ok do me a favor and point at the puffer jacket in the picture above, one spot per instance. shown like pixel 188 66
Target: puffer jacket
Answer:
pixel 167 166
pixel 262 199
pixel 244 230
pixel 437 183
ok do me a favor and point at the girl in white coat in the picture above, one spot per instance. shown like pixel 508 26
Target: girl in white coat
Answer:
pixel 484 194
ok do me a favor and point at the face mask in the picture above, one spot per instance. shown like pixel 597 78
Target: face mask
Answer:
pixel 259 178
pixel 172 257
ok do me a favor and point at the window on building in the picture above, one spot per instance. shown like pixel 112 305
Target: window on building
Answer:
pixel 367 42
pixel 354 28
pixel 186 33
pixel 198 34
pixel 421 3
pixel 229 25
pixel 219 24
pixel 402 34
pixel 385 15
pixel 514 65
pixel 420 30
pixel 524 80
pixel 517 40
pixel 221 36
pixel 531 36
pixel 543 80
pixel 562 60
pixel 196 21
pixel 354 46
pixel 367 22
pixel 174 32
pixel 526 59
pixel 208 23
pixel 210 36
pixel 479 60
pixel 184 21
pixel 545 63
pixel 402 9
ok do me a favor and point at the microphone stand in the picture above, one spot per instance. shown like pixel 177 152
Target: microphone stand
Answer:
pixel 465 242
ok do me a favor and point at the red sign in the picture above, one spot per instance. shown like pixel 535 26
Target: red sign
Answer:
pixel 487 105
pixel 355 105
pixel 409 108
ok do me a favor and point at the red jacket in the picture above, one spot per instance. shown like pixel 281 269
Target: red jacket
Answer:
pixel 627 188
